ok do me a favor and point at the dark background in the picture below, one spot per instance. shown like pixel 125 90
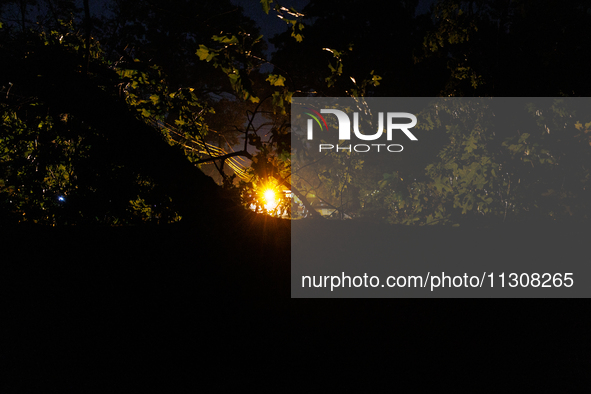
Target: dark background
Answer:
pixel 206 302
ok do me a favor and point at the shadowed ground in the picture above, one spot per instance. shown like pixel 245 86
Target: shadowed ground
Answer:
pixel 114 309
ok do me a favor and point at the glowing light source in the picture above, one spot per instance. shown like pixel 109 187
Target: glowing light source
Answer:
pixel 61 198
pixel 270 199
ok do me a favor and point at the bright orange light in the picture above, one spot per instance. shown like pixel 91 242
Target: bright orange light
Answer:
pixel 270 199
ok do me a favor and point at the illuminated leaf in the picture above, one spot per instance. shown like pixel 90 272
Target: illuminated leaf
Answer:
pixel 266 5
pixel 204 53
pixel 233 40
pixel 276 80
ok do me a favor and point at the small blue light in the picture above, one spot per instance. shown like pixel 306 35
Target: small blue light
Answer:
pixel 61 198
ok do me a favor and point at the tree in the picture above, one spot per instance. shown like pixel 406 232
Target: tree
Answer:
pixel 508 48
pixel 365 39
pixel 77 139
pixel 464 50
pixel 51 141
pixel 69 174
pixel 505 159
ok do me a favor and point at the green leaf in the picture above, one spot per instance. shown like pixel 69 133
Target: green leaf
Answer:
pixel 204 53
pixel 375 79
pixel 470 146
pixel 266 5
pixel 523 137
pixel 233 40
pixel 276 80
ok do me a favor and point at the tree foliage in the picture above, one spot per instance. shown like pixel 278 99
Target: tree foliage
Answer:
pixel 492 169
pixel 76 137
pixel 190 82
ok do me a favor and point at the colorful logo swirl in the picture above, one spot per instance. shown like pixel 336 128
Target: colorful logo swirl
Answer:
pixel 315 116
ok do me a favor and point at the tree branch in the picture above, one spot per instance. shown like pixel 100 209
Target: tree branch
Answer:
pixel 224 157
pixel 88 28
